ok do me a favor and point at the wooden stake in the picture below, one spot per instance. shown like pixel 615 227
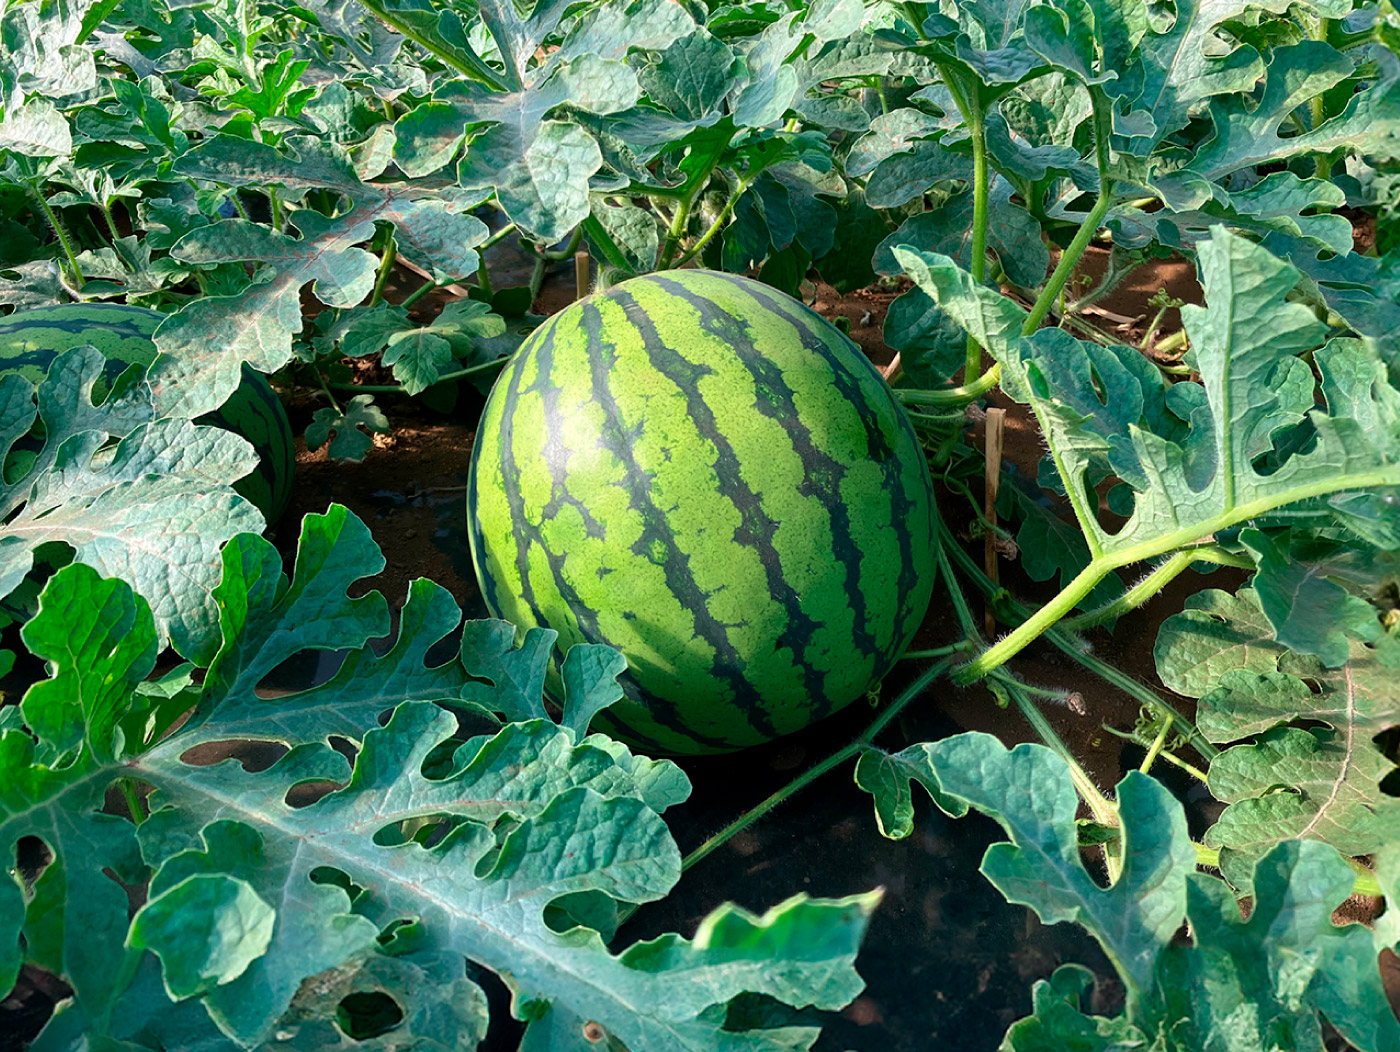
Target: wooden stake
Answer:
pixel 995 430
pixel 581 274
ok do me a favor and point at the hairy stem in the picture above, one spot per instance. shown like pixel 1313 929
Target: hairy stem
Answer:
pixel 717 225
pixel 1105 563
pixel 71 270
pixel 1010 609
pixel 692 189
pixel 1154 582
pixel 1103 809
pixel 952 396
pixel 390 251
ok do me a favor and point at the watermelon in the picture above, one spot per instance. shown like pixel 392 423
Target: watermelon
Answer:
pixel 31 339
pixel 702 472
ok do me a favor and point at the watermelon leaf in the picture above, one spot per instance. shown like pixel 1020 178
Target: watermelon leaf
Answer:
pixel 1273 973
pixel 205 345
pixel 347 431
pixel 1284 779
pixel 1198 459
pixel 153 511
pixel 420 354
pixel 430 845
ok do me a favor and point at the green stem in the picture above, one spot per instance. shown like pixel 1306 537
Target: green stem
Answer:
pixel 1322 164
pixel 716 226
pixel 961 610
pixel 1173 342
pixel 936 652
pixel 1157 745
pixel 133 800
pixel 965 97
pixel 459 374
pixel 1152 329
pixel 912 13
pixel 567 252
pixel 537 276
pixel 418 293
pixel 1069 258
pixel 471 67
pixel 274 202
pixel 605 244
pixel 111 222
pixel 1154 582
pixel 1010 609
pixel 952 396
pixel 1103 564
pixel 499 235
pixel 1366 882
pixel 483 276
pixel 980 185
pixel 126 975
pixel 1102 808
pixel 72 271
pixel 238 205
pixel 1194 771
pixel 326 387
pixel 867 736
pixel 1164 754
pixel 693 187
pixel 386 265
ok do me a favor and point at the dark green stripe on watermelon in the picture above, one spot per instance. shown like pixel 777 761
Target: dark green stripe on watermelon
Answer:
pixel 657 542
pixel 822 480
pixel 878 446
pixel 756 529
pixel 701 472
pixel 31 339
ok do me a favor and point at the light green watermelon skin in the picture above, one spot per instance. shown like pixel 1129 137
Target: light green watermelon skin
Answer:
pixel 31 339
pixel 702 472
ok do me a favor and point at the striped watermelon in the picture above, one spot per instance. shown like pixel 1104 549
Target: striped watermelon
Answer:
pixel 31 339
pixel 700 471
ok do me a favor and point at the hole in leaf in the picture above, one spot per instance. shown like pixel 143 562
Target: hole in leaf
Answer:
pixel 304 794
pixel 336 878
pixel 402 936
pixel 345 747
pixel 302 671
pixel 368 1014
pixel 425 830
pixel 253 756
pixel 32 857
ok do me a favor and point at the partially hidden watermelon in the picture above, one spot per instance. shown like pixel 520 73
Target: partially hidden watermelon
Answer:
pixel 31 339
pixel 704 473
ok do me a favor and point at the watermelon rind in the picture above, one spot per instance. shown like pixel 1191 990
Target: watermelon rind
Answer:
pixel 706 474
